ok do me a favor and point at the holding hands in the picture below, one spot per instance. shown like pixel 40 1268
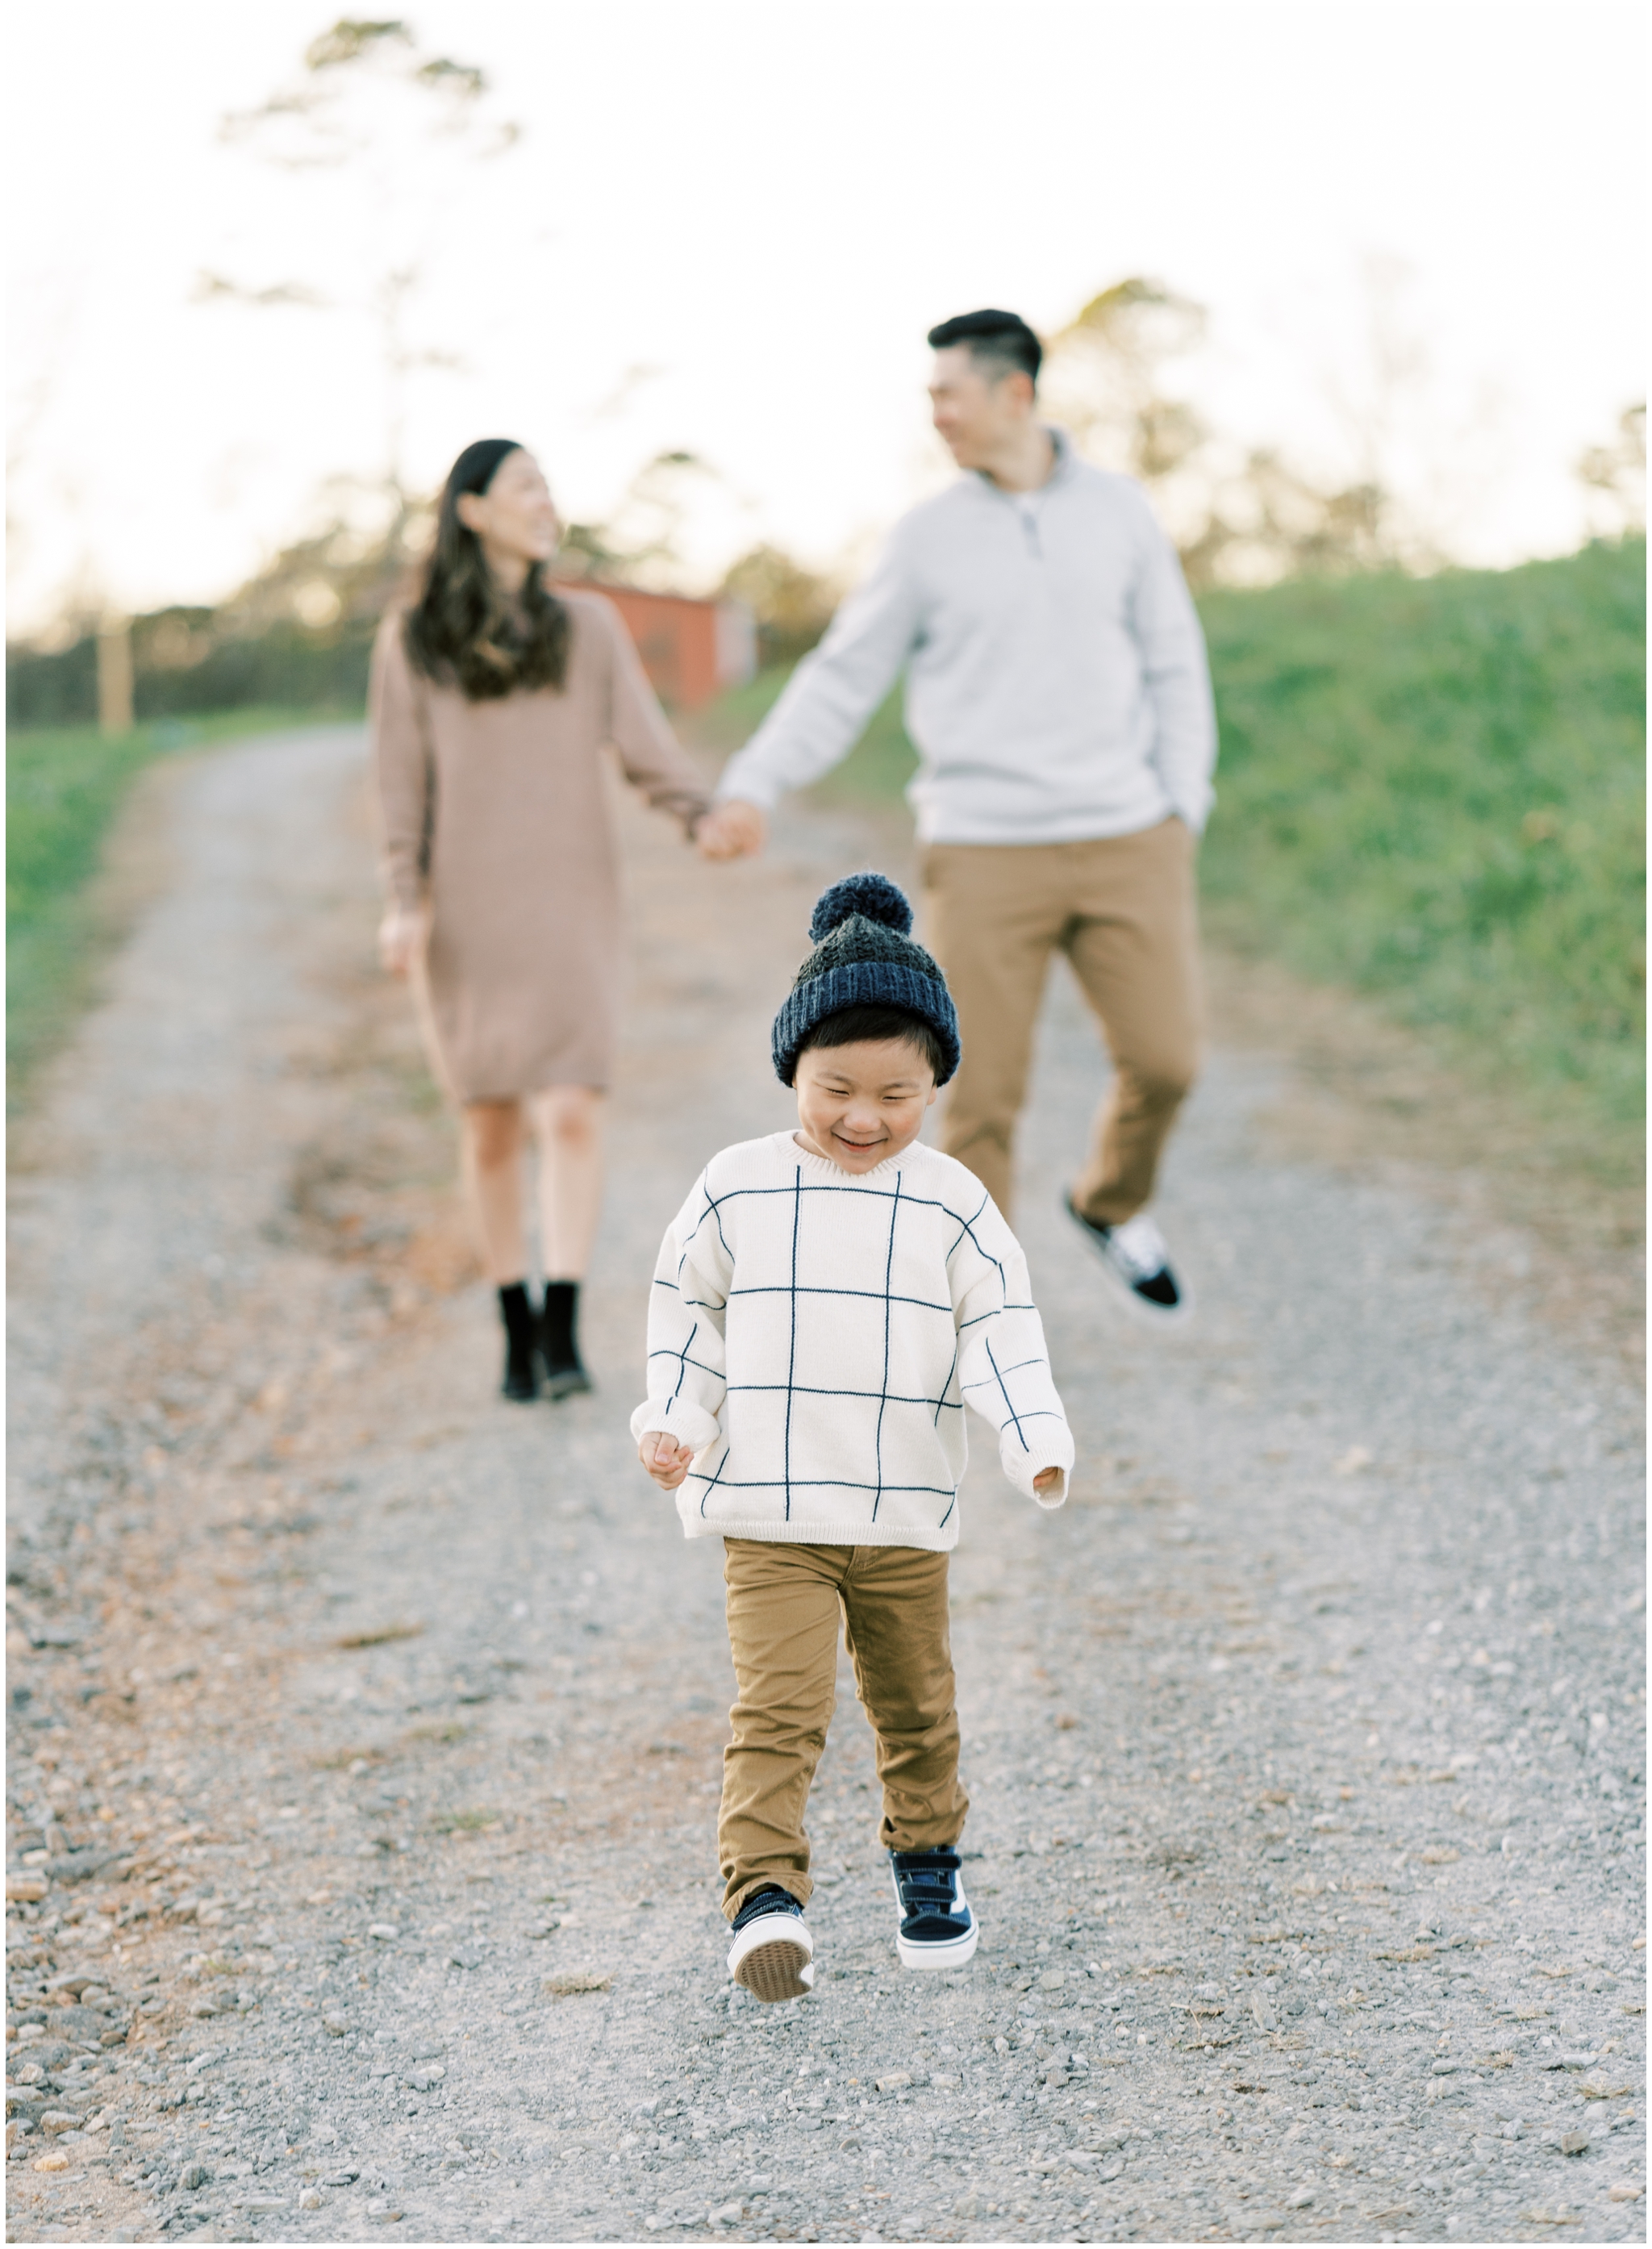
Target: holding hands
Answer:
pixel 734 829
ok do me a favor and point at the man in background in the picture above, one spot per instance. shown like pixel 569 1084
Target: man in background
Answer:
pixel 1059 700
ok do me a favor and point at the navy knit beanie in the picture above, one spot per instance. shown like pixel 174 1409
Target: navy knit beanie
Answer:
pixel 863 958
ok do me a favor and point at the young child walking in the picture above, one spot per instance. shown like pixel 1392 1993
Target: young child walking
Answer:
pixel 826 1302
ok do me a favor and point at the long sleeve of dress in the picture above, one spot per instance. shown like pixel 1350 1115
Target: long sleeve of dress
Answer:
pixel 403 770
pixel 650 756
pixel 687 1366
pixel 1003 1367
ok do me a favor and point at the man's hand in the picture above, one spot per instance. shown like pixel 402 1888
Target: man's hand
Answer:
pixel 664 1459
pixel 1046 1479
pixel 401 934
pixel 732 830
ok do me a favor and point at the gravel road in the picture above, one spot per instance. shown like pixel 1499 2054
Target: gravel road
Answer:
pixel 365 1730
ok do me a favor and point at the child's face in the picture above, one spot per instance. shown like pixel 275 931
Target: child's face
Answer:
pixel 860 1104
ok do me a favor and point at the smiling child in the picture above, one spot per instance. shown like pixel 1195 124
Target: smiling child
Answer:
pixel 826 1301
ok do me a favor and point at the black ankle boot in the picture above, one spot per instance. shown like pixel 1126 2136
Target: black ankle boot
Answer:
pixel 521 1340
pixel 559 1340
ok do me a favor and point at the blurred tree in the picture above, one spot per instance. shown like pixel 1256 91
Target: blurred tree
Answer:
pixel 1614 475
pixel 640 543
pixel 1237 517
pixel 342 575
pixel 1107 369
pixel 380 127
pixel 1413 469
pixel 793 605
pixel 297 634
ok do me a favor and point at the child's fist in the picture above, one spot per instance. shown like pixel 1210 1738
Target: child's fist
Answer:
pixel 1046 1479
pixel 664 1459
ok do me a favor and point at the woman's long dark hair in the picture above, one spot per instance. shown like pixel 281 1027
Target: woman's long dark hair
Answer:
pixel 462 630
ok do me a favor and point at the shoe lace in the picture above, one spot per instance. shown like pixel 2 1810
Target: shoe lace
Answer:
pixel 1139 1244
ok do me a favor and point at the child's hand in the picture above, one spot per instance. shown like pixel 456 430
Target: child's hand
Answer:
pixel 1046 1479
pixel 664 1459
pixel 400 936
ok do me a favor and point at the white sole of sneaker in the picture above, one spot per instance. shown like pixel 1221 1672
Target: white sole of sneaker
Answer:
pixel 773 1958
pixel 951 1952
pixel 1142 1309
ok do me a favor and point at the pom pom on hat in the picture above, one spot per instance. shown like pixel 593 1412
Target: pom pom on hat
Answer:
pixel 864 958
pixel 872 895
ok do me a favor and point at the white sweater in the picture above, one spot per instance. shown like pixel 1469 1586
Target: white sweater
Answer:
pixel 1057 688
pixel 814 1335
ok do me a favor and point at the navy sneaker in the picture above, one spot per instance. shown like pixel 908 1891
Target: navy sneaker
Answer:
pixel 773 1954
pixel 937 1928
pixel 1137 1262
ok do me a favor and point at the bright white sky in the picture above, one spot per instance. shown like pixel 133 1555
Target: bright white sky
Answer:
pixel 765 202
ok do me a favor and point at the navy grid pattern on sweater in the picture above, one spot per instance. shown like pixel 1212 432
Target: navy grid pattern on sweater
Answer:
pixel 834 1326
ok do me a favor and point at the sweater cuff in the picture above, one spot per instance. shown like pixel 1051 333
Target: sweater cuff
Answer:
pixel 746 789
pixel 689 1424
pixel 1024 1467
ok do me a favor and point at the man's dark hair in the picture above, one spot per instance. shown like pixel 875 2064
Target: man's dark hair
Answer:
pixel 847 1027
pixel 1004 337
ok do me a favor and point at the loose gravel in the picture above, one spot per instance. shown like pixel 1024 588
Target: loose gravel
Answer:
pixel 365 1730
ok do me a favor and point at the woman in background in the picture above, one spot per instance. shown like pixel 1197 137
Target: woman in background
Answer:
pixel 494 699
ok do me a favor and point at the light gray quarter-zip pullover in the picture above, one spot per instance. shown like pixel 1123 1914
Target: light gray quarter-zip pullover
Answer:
pixel 1057 687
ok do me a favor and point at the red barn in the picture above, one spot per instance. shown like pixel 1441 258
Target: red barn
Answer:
pixel 691 651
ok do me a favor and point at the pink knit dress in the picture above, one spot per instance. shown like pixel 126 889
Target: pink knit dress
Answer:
pixel 496 823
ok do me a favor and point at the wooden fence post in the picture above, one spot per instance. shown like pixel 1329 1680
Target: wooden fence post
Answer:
pixel 114 676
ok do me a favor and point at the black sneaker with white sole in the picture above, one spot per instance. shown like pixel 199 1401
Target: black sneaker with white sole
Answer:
pixel 1135 1258
pixel 937 1928
pixel 773 1954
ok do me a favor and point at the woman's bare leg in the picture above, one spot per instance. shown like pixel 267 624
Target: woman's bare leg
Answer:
pixel 492 1135
pixel 567 1124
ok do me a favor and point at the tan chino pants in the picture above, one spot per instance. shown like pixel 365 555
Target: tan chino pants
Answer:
pixel 784 1604
pixel 1123 910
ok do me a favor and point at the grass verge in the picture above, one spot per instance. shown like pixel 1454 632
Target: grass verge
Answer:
pixel 1432 791
pixel 65 788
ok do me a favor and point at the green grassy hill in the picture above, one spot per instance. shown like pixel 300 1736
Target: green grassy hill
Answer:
pixel 1431 789
pixel 1434 789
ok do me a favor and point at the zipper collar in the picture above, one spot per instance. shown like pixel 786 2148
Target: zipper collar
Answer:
pixel 1027 506
pixel 1060 471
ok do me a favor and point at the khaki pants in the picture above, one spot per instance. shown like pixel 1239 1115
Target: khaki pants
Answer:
pixel 1122 908
pixel 784 1603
